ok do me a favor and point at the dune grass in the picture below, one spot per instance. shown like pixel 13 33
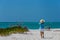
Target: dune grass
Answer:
pixel 12 30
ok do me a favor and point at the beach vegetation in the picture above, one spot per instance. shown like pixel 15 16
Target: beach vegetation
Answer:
pixel 12 30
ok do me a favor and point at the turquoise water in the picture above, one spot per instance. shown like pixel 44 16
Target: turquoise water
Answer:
pixel 30 25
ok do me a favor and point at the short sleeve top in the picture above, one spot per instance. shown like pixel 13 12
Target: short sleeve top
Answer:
pixel 42 26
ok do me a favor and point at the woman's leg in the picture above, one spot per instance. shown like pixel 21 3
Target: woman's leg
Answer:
pixel 42 34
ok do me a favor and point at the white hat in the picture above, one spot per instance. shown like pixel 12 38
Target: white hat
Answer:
pixel 42 21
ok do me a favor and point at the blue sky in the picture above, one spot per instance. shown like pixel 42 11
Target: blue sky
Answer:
pixel 29 10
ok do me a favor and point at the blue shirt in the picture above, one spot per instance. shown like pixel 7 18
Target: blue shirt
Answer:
pixel 42 25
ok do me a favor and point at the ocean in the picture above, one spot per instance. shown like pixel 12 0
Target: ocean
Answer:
pixel 30 25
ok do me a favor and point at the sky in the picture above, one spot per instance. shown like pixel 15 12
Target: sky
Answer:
pixel 29 10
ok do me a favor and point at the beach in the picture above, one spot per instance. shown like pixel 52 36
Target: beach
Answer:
pixel 53 34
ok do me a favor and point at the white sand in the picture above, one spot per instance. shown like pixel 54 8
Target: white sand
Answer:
pixel 34 35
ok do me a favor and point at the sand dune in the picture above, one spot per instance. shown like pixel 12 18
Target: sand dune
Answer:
pixel 34 35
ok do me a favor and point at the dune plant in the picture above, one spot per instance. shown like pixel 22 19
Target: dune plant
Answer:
pixel 12 30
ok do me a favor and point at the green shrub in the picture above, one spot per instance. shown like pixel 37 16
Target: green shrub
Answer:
pixel 11 30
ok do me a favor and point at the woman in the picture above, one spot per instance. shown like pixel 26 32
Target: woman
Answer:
pixel 42 28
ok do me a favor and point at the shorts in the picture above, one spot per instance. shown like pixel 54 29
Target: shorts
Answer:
pixel 42 30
